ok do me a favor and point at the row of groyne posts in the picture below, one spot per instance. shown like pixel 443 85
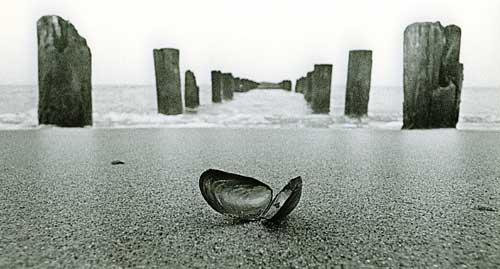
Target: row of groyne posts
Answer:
pixel 168 84
pixel 316 85
pixel 432 79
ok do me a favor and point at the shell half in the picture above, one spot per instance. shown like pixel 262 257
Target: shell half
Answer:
pixel 234 195
pixel 285 201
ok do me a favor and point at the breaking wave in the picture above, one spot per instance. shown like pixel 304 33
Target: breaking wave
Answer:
pixel 135 107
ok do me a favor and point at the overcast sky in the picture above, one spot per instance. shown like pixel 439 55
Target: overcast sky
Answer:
pixel 260 39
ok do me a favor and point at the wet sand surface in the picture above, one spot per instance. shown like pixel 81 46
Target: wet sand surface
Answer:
pixel 371 198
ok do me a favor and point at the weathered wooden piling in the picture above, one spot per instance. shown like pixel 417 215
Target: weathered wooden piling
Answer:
pixel 216 86
pixel 321 85
pixel 309 86
pixel 168 81
pixel 433 76
pixel 232 87
pixel 286 85
pixel 247 85
pixel 358 83
pixel 64 74
pixel 237 85
pixel 227 86
pixel 300 85
pixel 191 90
pixel 303 85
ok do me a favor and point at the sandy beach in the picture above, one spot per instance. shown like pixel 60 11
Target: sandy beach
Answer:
pixel 371 198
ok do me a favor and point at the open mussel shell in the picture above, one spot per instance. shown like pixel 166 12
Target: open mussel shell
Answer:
pixel 285 201
pixel 247 198
pixel 234 195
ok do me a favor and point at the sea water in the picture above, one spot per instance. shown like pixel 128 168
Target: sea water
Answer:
pixel 129 106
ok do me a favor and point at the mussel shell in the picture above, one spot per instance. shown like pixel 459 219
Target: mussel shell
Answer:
pixel 235 195
pixel 285 201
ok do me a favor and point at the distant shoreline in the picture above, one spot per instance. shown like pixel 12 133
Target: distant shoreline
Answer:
pixel 206 85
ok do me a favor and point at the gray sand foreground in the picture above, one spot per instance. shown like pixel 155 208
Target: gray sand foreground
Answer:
pixel 370 199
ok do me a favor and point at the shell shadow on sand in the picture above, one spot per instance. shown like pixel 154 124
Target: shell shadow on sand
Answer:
pixel 248 199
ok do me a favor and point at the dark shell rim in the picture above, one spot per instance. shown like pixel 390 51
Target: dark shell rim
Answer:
pixel 295 184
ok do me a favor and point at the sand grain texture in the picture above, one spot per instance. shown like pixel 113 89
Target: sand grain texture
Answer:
pixel 370 198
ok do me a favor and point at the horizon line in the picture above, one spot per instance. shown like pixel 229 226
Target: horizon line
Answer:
pixel 153 84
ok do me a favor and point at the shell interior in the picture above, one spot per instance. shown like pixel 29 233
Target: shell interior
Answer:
pixel 235 195
pixel 247 198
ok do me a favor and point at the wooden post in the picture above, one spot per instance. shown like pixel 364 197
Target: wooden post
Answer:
pixel 191 90
pixel 309 86
pixel 432 76
pixel 64 74
pixel 227 86
pixel 358 83
pixel 321 85
pixel 168 81
pixel 216 86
